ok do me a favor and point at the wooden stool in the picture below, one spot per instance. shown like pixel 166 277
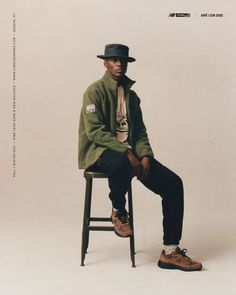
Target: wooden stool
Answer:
pixel 89 175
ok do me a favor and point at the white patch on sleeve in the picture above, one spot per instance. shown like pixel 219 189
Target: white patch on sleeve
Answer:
pixel 90 108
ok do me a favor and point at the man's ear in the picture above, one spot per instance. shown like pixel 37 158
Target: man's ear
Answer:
pixel 105 63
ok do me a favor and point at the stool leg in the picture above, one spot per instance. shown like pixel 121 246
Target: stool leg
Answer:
pixel 132 247
pixel 85 231
pixel 89 213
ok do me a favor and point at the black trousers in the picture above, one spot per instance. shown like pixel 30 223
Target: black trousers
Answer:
pixel 161 181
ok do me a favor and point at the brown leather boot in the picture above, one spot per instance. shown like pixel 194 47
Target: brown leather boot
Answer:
pixel 121 224
pixel 178 260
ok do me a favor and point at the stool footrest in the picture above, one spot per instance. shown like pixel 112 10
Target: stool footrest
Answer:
pixel 100 219
pixel 102 228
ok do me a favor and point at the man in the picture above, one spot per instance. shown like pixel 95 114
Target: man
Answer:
pixel 113 140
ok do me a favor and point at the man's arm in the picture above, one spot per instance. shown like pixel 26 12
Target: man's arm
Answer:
pixel 142 145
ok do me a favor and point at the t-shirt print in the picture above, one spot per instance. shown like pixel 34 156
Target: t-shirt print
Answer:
pixel 122 126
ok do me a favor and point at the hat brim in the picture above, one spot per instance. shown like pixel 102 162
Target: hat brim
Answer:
pixel 126 58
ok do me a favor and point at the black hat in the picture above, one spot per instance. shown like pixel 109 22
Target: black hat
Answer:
pixel 116 50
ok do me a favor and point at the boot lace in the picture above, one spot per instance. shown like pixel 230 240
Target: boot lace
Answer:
pixel 124 218
pixel 183 252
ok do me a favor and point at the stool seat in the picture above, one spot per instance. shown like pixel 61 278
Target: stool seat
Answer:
pixel 89 176
pixel 93 174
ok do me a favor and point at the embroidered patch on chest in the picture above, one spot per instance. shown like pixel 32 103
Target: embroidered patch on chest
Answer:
pixel 90 108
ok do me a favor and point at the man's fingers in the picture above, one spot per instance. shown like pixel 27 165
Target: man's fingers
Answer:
pixel 139 171
pixel 145 173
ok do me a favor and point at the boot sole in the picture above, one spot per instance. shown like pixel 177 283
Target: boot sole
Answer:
pixel 118 233
pixel 165 265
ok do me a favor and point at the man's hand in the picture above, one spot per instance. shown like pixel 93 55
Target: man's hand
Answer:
pixel 135 164
pixel 146 164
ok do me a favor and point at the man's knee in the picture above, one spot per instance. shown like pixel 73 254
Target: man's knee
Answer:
pixel 179 181
pixel 176 183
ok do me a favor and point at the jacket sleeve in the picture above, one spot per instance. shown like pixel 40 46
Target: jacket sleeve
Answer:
pixel 95 123
pixel 142 145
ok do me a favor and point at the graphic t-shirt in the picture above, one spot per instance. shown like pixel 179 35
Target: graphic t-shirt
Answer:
pixel 122 125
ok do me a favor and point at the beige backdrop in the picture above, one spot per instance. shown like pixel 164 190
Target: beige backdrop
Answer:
pixel 185 74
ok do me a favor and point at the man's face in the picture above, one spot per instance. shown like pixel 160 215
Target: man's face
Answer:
pixel 116 67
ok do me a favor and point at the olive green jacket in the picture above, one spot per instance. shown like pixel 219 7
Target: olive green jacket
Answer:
pixel 97 127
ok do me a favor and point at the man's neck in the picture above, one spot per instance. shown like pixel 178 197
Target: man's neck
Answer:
pixel 119 80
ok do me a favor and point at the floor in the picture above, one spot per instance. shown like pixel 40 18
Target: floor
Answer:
pixel 40 254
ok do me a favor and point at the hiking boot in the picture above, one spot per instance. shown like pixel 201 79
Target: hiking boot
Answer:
pixel 178 260
pixel 121 224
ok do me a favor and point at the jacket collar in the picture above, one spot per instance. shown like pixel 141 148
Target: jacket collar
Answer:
pixel 112 84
